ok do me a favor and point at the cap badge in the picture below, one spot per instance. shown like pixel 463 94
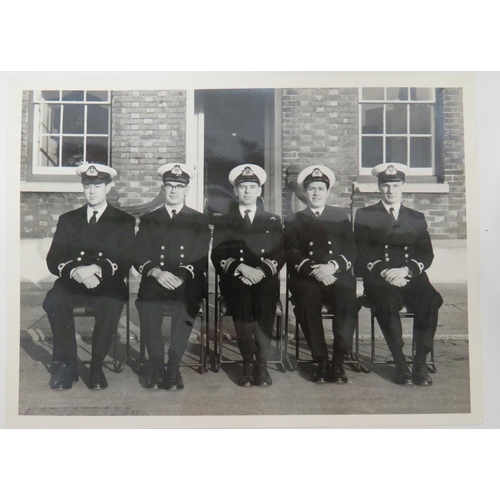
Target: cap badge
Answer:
pixel 317 173
pixel 91 171
pixel 177 170
pixel 390 170
pixel 247 171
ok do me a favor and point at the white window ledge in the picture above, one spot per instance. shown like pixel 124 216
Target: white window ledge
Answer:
pixel 51 187
pixel 409 187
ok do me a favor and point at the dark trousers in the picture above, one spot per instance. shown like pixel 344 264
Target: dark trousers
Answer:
pixel 183 304
pixel 253 309
pixel 59 304
pixel 340 298
pixel 419 296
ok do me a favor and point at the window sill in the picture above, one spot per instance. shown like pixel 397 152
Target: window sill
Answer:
pixel 425 185
pixel 51 187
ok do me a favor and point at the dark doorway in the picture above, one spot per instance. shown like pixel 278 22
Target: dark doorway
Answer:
pixel 236 130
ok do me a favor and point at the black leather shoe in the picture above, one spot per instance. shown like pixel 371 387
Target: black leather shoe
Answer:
pixel 421 374
pixel 97 379
pixel 156 379
pixel 63 376
pixel 173 379
pixel 262 375
pixel 246 378
pixel 337 372
pixel 321 374
pixel 403 375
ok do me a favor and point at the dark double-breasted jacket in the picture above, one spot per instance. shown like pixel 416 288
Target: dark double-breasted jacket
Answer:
pixel 311 240
pixel 109 244
pixel 260 246
pixel 179 245
pixel 383 243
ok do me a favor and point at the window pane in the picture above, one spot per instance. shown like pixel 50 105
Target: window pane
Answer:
pixel 396 119
pixel 397 94
pixel 73 119
pixel 97 150
pixel 420 152
pixel 50 95
pixel 72 151
pixel 373 93
pixel 97 119
pixel 421 119
pixel 421 94
pixel 371 151
pixel 50 118
pixel 396 150
pixel 373 118
pixel 48 154
pixel 72 95
pixel 97 95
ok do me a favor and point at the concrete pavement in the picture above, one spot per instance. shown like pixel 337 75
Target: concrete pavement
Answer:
pixel 292 393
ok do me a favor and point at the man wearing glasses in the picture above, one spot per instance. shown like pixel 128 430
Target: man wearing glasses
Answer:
pixel 171 254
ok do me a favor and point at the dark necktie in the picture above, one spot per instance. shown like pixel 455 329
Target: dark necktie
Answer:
pixel 93 219
pixel 393 217
pixel 248 222
pixel 317 214
pixel 174 213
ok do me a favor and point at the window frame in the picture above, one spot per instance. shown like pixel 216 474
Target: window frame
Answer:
pixel 417 171
pixel 61 173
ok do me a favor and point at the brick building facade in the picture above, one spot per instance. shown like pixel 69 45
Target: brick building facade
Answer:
pixel 313 125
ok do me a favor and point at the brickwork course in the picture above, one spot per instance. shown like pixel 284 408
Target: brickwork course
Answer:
pixel 320 126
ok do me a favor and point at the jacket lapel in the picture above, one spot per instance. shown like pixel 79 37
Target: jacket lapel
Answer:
pixel 163 219
pixel 387 221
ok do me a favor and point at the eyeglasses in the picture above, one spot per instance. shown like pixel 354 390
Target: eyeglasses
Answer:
pixel 171 187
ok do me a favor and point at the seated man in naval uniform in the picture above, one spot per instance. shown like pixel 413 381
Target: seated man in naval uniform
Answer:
pixel 248 254
pixel 321 252
pixel 91 254
pixel 395 249
pixel 171 254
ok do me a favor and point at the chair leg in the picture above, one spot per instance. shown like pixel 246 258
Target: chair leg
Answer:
pixel 142 354
pixel 207 336
pixel 372 325
pixel 118 365
pixel 279 343
pixel 203 333
pixel 218 344
pixel 360 367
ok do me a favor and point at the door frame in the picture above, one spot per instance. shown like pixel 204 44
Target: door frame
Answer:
pixel 273 151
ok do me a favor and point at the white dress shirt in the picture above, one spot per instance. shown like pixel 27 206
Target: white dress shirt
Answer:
pixel 91 210
pixel 251 214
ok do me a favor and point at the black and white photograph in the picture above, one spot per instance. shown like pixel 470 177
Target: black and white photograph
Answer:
pixel 253 250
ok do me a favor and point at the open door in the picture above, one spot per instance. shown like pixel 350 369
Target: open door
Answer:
pixel 236 126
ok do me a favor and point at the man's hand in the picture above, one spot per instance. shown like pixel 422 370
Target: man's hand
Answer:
pixel 395 276
pixel 329 280
pixel 166 279
pixel 82 273
pixel 91 281
pixel 399 282
pixel 251 274
pixel 324 273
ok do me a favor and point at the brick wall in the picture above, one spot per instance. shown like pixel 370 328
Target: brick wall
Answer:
pixel 148 130
pixel 24 136
pixel 320 126
pixel 40 212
